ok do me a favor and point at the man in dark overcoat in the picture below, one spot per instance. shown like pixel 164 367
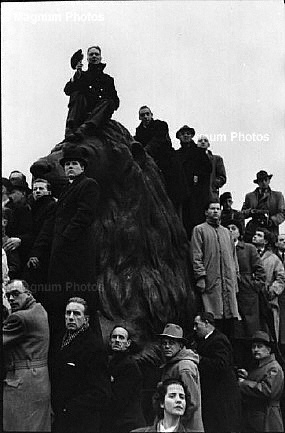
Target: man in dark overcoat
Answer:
pixel 153 134
pixel 80 381
pixel 43 206
pixel 196 167
pixel 219 386
pixel 72 267
pixel 251 284
pixel 126 384
pixel 265 207
pixel 93 97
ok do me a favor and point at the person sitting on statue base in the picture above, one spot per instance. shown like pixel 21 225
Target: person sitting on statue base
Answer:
pixel 93 97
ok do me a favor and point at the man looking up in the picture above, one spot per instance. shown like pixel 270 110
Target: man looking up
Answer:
pixel 126 384
pixel 93 97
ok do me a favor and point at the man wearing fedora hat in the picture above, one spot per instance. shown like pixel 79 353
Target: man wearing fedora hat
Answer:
pixel 264 206
pixel 196 167
pixel 261 388
pixel 181 363
pixel 72 266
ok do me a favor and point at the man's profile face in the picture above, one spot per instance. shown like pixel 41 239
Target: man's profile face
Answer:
pixel 264 183
pixel 258 239
pixel 170 347
pixel 94 56
pixel 119 340
pixel 40 189
pixel 214 211
pixel 145 115
pixel 281 242
pixel 200 327
pixel 185 136
pixel 73 168
pixel 75 316
pixel 16 295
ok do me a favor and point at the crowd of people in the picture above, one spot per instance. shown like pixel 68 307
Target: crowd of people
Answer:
pixel 59 374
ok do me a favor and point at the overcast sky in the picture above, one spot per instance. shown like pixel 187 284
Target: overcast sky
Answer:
pixel 217 66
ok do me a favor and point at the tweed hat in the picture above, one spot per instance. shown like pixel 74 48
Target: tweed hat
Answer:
pixel 262 337
pixel 185 128
pixel 261 175
pixel 73 153
pixel 174 331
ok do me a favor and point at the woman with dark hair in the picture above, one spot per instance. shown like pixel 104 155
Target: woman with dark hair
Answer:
pixel 169 403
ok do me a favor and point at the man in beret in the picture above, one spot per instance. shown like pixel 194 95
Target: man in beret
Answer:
pixel 265 207
pixel 93 97
pixel 196 168
pixel 261 388
pixel 68 233
pixel 181 363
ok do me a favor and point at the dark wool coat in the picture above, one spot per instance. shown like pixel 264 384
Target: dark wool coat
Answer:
pixel 272 201
pixel 156 141
pixel 72 267
pixel 251 282
pixel 126 384
pixel 281 301
pixel 42 210
pixel 20 226
pixel 218 175
pixel 194 162
pixel 261 393
pixel 80 384
pixel 219 386
pixel 26 388
pixel 94 85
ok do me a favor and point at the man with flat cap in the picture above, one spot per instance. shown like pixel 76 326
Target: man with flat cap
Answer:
pixel 72 266
pixel 265 207
pixel 197 168
pixel 261 388
pixel 181 363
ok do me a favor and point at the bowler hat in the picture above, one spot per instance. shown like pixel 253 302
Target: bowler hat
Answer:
pixel 261 175
pixel 73 153
pixel 174 331
pixel 262 337
pixel 185 128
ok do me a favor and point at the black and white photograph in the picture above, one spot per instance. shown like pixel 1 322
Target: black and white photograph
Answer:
pixel 143 216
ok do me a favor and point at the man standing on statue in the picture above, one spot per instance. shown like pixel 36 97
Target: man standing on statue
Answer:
pixel 93 97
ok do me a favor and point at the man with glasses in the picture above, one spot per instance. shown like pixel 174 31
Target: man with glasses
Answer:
pixel 26 389
pixel 218 174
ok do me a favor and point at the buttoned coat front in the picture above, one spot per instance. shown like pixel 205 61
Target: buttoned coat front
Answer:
pixel 261 393
pixel 81 387
pixel 219 386
pixel 214 258
pixel 26 389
